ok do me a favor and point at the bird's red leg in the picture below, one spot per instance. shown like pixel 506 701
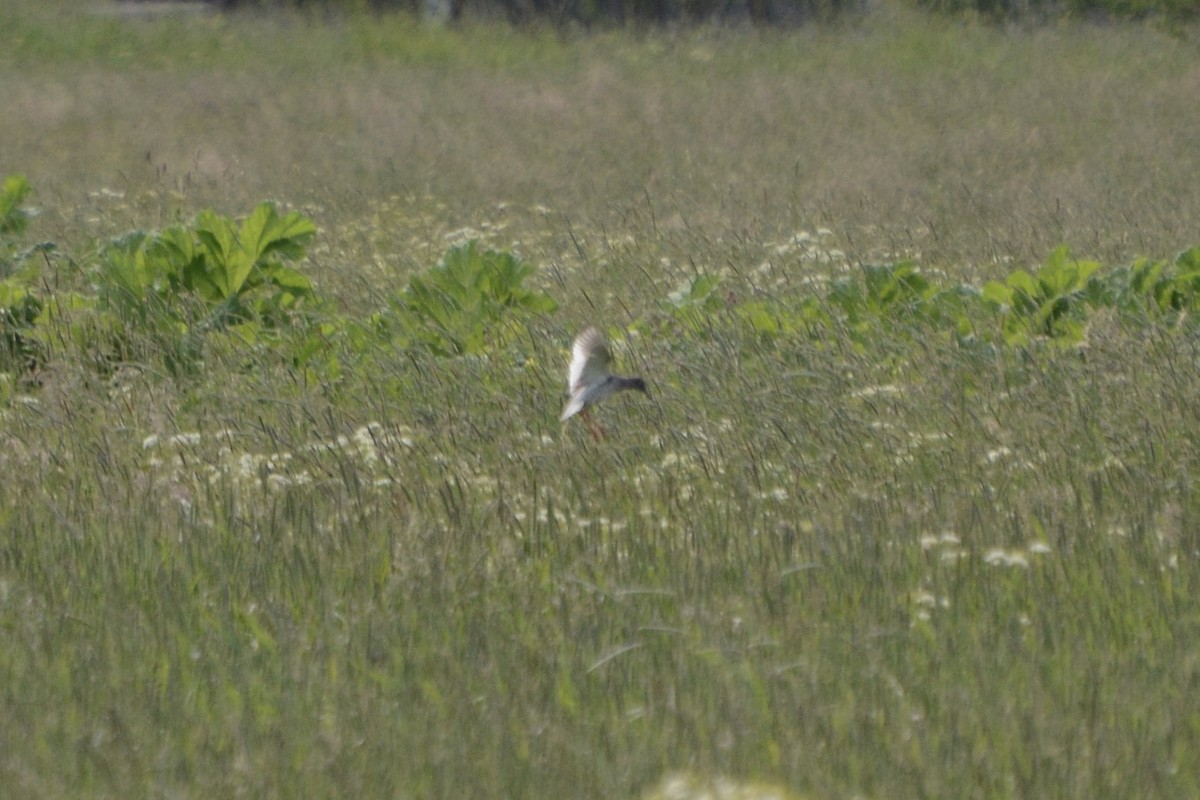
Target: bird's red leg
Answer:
pixel 593 427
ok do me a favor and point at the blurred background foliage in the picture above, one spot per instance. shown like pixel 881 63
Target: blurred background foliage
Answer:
pixel 763 12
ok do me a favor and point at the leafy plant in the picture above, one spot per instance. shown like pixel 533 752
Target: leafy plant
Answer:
pixel 177 285
pixel 1150 289
pixel 885 290
pixel 1136 290
pixel 20 304
pixel 133 280
pixel 695 300
pixel 1177 288
pixel 772 320
pixel 236 272
pixel 13 216
pixel 1050 303
pixel 19 310
pixel 229 263
pixel 471 299
pixel 898 292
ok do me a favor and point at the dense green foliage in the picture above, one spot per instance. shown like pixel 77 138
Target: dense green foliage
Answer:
pixel 469 303
pixel 176 285
pixel 760 11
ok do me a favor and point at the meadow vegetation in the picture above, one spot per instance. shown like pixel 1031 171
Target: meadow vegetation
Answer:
pixel 285 308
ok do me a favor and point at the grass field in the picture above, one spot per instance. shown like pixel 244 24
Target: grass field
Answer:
pixel 853 564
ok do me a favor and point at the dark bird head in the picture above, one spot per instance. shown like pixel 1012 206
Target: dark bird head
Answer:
pixel 635 383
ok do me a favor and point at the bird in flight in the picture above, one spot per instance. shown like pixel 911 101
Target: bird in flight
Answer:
pixel 590 381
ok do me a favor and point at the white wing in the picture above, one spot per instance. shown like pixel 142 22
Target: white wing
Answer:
pixel 590 361
pixel 589 367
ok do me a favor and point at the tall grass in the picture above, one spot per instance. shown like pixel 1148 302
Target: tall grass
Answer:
pixel 881 565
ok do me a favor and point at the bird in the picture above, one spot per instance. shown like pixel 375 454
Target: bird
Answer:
pixel 589 379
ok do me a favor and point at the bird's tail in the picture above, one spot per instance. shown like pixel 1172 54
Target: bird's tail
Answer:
pixel 573 408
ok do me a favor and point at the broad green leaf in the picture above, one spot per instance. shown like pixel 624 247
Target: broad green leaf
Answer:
pixel 13 218
pixel 536 303
pixel 1145 274
pixel 760 317
pixel 1084 270
pixel 1188 261
pixel 846 295
pixel 12 292
pixel 177 247
pixel 292 281
pixel 696 293
pixel 216 233
pixel 265 232
pixel 226 265
pixel 1024 282
pixel 998 294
